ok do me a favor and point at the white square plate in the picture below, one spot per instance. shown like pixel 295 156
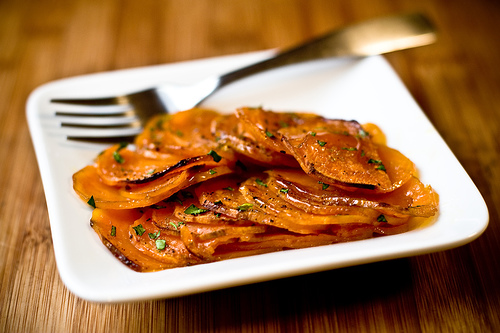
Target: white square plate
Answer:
pixel 365 89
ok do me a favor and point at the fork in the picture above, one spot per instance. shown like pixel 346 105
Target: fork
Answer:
pixel 122 117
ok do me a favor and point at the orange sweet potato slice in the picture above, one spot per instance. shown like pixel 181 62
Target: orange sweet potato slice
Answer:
pixel 337 152
pixel 278 241
pixel 306 193
pixel 185 133
pixel 165 247
pixel 203 239
pixel 248 202
pixel 113 228
pixel 263 126
pixel 118 165
pixel 88 184
pixel 228 130
pixel 283 210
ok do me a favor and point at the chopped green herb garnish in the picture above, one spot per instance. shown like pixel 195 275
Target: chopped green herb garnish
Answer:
pixel 159 123
pixel 245 207
pixel 217 214
pixel 321 143
pixel 154 235
pixel 118 157
pixel 161 244
pixel 269 134
pixel 193 210
pixel 139 230
pixel 362 133
pixel 313 133
pixel 283 124
pixel 380 166
pixel 350 148
pixel 215 156
pixel 324 186
pixel 229 188
pixel 284 190
pixel 113 230
pixel 91 201
pixel 260 182
pixel 381 218
pixel 176 226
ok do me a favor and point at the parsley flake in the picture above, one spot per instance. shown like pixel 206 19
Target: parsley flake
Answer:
pixel 91 201
pixel 176 226
pixel 154 235
pixel 362 133
pixel 212 171
pixel 113 230
pixel 118 157
pixel 245 207
pixel 381 218
pixel 161 244
pixel 313 133
pixel 321 143
pixel 324 186
pixel 380 166
pixel 139 230
pixel 260 182
pixel 269 134
pixel 284 190
pixel 193 210
pixel 215 156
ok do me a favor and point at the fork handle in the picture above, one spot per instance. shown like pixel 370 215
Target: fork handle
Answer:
pixel 372 37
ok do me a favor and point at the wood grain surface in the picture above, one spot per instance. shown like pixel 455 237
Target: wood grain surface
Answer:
pixel 456 81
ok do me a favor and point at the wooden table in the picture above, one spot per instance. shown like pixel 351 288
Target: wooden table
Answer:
pixel 456 82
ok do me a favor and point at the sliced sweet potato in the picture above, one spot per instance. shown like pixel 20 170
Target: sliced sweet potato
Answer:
pixel 306 193
pixel 337 152
pixel 119 165
pixel 228 130
pixel 88 184
pixel 284 211
pixel 113 228
pixel 263 126
pixel 163 246
pixel 181 195
pixel 203 239
pixel 186 133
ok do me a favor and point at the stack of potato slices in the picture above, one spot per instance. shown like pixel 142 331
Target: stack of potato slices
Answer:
pixel 199 186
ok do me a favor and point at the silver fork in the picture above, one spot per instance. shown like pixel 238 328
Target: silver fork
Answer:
pixel 372 37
